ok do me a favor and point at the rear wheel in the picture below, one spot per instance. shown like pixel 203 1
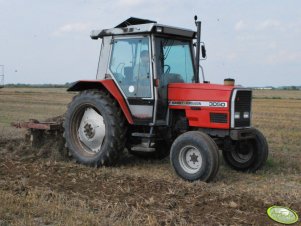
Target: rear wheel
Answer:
pixel 95 130
pixel 194 156
pixel 248 155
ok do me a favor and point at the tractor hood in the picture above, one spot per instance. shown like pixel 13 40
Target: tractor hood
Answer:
pixel 199 92
pixel 205 105
pixel 211 105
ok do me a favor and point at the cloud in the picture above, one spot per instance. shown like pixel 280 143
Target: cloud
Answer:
pixel 240 25
pixel 72 28
pixel 295 26
pixel 129 3
pixel 269 24
pixel 231 56
pixel 272 45
pixel 284 57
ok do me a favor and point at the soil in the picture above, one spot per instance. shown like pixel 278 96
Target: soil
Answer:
pixel 169 200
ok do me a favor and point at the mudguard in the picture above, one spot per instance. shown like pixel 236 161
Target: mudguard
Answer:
pixel 110 86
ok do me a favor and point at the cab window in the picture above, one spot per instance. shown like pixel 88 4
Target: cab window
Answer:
pixel 130 66
pixel 175 63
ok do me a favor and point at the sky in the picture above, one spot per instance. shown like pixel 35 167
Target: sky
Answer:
pixel 255 42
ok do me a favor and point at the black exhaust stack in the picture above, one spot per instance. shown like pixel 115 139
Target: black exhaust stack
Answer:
pixel 198 48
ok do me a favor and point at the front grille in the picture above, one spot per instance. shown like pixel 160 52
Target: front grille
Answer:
pixel 218 118
pixel 242 104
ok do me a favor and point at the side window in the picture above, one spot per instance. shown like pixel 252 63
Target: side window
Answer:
pixel 130 65
pixel 174 61
pixel 178 62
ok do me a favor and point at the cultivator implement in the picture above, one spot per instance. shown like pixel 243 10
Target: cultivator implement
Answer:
pixel 36 125
pixel 42 132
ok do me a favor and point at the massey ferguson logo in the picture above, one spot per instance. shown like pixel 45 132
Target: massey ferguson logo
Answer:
pixel 218 104
pixel 214 104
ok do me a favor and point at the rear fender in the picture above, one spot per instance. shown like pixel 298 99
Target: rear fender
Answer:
pixel 108 85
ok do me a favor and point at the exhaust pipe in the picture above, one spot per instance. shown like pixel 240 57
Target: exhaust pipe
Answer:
pixel 198 47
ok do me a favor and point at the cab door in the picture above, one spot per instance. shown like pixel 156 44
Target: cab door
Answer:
pixel 174 64
pixel 130 67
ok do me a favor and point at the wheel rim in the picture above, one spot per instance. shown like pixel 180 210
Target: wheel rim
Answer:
pixel 243 152
pixel 190 159
pixel 91 130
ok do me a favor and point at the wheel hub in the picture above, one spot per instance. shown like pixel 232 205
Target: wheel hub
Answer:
pixel 190 159
pixel 89 131
pixel 194 158
pixel 243 152
pixel 92 131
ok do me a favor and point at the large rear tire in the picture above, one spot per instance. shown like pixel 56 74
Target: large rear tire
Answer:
pixel 194 156
pixel 248 155
pixel 95 128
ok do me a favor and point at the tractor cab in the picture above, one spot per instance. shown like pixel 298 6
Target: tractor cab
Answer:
pixel 143 57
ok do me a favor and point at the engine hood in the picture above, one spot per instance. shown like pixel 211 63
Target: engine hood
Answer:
pixel 199 92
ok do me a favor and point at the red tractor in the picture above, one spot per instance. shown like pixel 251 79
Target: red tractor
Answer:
pixel 149 97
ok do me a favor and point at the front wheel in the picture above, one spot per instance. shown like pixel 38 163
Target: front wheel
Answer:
pixel 194 156
pixel 248 155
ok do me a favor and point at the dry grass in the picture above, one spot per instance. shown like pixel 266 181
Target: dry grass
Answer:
pixel 41 191
pixel 17 104
pixel 278 94
pixel 279 120
pixel 22 104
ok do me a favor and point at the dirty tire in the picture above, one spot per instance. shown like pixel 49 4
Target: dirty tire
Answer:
pixel 248 155
pixel 114 123
pixel 194 156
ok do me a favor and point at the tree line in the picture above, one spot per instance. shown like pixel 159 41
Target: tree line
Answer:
pixel 24 85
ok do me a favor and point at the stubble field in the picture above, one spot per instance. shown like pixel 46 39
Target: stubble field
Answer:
pixel 37 187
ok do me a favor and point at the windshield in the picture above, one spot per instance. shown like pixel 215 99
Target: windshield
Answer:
pixel 174 60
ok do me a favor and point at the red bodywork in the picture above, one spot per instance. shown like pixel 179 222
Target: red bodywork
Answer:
pixel 110 86
pixel 183 96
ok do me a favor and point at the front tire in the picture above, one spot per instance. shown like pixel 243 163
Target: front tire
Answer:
pixel 95 130
pixel 194 156
pixel 248 155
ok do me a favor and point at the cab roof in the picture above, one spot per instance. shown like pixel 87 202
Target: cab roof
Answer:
pixel 141 26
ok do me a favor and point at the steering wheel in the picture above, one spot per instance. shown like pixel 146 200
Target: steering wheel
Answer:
pixel 167 70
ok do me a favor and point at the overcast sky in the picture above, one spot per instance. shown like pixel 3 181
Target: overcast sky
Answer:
pixel 256 42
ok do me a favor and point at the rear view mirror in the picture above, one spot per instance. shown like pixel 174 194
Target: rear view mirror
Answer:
pixel 203 50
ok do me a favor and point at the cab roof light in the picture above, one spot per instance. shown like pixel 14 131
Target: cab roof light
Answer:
pixel 159 29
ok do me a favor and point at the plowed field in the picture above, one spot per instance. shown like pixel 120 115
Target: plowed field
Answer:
pixel 40 187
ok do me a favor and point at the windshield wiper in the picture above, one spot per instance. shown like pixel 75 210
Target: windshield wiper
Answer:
pixel 164 44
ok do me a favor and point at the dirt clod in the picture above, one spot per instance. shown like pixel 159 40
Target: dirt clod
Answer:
pixel 233 204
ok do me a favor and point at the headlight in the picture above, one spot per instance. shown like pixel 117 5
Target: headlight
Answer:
pixel 159 29
pixel 237 115
pixel 246 114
